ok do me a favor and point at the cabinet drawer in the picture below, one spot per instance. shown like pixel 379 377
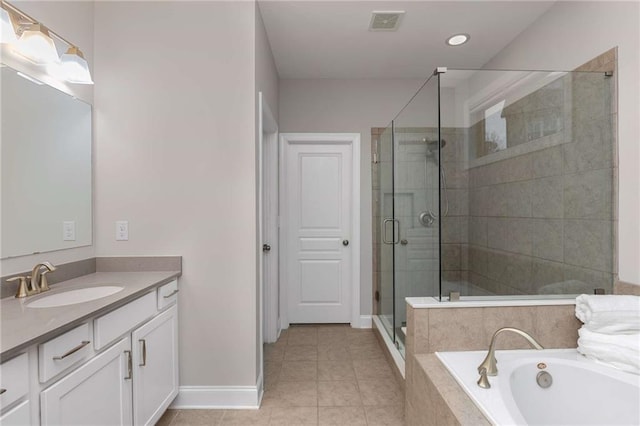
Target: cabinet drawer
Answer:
pixel 19 416
pixel 167 294
pixel 63 352
pixel 14 379
pixel 109 327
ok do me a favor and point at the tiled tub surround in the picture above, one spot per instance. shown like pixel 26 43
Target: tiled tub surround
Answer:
pixel 23 326
pixel 437 399
pixel 444 328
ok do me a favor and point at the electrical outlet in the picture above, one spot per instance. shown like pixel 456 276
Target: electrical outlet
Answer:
pixel 69 230
pixel 122 230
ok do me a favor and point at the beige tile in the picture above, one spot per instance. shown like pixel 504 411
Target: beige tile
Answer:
pixel 372 369
pixel 273 352
pixel 167 418
pixel 302 336
pixel 292 394
pixel 198 417
pixel 294 416
pixel 359 338
pixel 272 368
pixel 456 329
pixel 380 392
pixel 556 326
pixel 339 338
pixel 246 417
pixel 341 416
pixel 301 353
pixel 296 371
pixel 333 353
pixel 338 394
pixel 385 416
pixel 366 351
pixel 335 370
pixel 421 331
pixel 519 317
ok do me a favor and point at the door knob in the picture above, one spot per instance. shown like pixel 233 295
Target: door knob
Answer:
pixel 404 242
pixel 266 248
pixel 345 242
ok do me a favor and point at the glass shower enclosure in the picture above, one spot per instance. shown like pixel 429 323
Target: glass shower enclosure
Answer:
pixel 495 184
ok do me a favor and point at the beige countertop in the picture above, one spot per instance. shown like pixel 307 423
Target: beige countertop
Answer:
pixel 22 326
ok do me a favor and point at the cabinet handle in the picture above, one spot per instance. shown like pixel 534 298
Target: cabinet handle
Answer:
pixel 3 390
pixel 72 351
pixel 144 352
pixel 129 365
pixel 171 294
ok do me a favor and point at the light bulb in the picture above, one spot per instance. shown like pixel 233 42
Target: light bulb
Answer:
pixel 36 45
pixel 72 67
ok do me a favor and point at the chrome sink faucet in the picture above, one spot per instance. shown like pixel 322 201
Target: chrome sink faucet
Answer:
pixel 489 367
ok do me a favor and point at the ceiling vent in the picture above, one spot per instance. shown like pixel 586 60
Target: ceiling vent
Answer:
pixel 385 20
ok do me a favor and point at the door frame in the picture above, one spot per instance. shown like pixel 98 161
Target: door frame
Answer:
pixel 352 139
pixel 269 329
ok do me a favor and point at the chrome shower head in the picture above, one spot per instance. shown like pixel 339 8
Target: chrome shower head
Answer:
pixel 433 145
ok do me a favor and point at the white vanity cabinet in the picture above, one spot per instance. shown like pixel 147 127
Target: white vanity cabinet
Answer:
pixel 120 368
pixel 98 393
pixel 155 367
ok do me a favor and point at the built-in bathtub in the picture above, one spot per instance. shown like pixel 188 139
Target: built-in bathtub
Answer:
pixel 582 392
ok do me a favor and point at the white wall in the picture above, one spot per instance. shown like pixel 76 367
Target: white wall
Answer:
pixel 351 106
pixel 72 20
pixel 568 35
pixel 175 156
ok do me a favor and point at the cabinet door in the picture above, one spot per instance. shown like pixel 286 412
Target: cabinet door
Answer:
pixel 98 393
pixel 155 366
pixel 18 416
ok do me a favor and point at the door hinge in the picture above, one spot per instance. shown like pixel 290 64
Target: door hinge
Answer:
pixel 377 296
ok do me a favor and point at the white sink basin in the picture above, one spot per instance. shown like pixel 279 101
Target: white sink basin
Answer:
pixel 71 297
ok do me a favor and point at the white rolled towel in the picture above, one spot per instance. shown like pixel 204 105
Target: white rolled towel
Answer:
pixel 620 351
pixel 618 322
pixel 587 305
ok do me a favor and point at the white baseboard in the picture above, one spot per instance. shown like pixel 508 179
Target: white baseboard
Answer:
pixel 365 321
pixel 227 397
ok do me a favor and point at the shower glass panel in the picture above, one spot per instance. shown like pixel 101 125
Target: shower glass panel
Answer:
pixel 383 218
pixel 531 203
pixel 416 200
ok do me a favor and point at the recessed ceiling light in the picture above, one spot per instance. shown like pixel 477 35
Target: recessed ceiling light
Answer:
pixel 458 39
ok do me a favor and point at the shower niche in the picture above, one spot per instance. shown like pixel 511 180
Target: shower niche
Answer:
pixel 495 184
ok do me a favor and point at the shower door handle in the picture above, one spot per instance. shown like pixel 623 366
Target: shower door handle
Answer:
pixel 384 231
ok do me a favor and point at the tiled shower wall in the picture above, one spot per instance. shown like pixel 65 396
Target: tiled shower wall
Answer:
pixel 543 222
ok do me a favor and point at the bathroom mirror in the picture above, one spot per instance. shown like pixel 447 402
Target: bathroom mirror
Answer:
pixel 46 167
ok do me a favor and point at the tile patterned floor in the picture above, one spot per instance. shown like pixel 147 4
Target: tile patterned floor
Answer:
pixel 316 375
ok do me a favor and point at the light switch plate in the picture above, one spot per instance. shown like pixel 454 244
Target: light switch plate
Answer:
pixel 69 230
pixel 122 230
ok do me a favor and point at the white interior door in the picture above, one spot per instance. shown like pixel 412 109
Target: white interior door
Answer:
pixel 319 227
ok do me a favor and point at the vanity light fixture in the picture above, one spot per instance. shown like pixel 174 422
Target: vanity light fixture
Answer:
pixel 8 31
pixel 36 44
pixel 458 39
